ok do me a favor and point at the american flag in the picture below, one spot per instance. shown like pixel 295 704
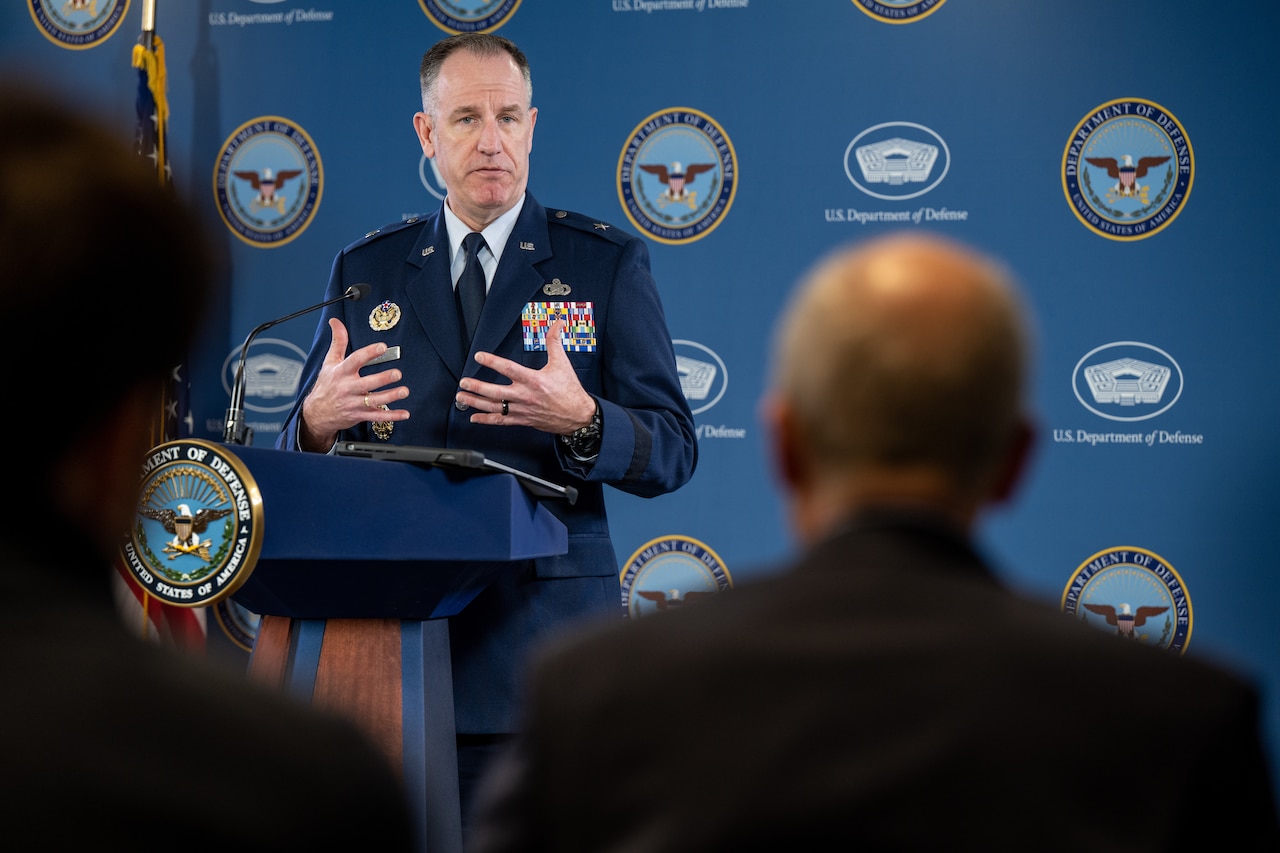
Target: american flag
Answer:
pixel 153 104
pixel 153 144
pixel 182 626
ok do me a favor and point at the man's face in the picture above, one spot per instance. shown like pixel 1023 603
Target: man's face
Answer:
pixel 481 135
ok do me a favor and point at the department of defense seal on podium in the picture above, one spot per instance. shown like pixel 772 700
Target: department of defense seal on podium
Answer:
pixel 199 524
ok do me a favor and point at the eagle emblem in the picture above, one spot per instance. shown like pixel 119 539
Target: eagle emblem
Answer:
pixel 676 179
pixel 384 317
pixel 186 528
pixel 673 598
pixel 1126 619
pixel 1126 175
pixel 267 184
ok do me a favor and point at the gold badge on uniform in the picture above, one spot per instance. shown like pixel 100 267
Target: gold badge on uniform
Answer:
pixel 382 429
pixel 384 317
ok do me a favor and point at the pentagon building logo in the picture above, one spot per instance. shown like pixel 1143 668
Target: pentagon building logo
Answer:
pixel 1127 381
pixel 696 377
pixel 896 160
pixel 271 373
pixel 703 376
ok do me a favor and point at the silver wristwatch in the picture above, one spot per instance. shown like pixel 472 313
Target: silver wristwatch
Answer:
pixel 584 443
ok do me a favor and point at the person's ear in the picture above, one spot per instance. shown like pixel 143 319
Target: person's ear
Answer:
pixel 425 129
pixel 1015 463
pixel 785 448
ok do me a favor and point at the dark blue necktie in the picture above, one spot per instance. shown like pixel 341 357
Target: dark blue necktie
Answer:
pixel 471 287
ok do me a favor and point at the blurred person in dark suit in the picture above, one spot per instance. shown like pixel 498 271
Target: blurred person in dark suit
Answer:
pixel 110 741
pixel 884 691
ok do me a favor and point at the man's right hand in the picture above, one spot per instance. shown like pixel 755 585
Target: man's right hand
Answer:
pixel 342 397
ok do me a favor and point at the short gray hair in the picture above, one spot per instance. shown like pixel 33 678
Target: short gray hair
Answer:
pixel 478 44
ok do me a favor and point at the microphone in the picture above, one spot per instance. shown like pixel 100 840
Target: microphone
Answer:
pixel 234 430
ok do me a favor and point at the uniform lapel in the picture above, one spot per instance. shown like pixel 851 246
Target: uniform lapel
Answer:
pixel 430 293
pixel 517 280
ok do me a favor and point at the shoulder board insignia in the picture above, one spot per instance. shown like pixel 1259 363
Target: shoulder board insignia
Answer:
pixel 387 229
pixel 587 224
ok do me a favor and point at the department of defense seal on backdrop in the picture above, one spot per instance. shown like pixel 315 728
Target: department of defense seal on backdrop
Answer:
pixel 199 524
pixel 1127 169
pixel 671 571
pixel 239 624
pixel 1133 593
pixel 899 11
pixel 78 24
pixel 677 175
pixel 482 18
pixel 268 181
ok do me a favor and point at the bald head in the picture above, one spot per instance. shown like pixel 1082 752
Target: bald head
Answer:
pixel 902 356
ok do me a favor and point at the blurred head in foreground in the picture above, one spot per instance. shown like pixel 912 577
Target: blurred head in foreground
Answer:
pixel 103 275
pixel 899 373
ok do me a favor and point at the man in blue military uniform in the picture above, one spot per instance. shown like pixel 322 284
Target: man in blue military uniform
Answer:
pixel 570 374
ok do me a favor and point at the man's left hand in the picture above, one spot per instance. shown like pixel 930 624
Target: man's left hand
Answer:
pixel 550 399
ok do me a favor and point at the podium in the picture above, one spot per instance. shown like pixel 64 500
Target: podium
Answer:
pixel 362 563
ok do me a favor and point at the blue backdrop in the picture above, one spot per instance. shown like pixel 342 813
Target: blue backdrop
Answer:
pixel 819 123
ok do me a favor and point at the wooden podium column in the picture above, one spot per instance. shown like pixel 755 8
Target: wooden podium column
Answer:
pixel 393 678
pixel 354 615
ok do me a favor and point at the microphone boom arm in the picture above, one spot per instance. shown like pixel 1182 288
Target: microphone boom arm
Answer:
pixel 234 430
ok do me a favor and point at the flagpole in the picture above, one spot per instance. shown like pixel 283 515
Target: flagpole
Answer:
pixel 149 21
pixel 151 61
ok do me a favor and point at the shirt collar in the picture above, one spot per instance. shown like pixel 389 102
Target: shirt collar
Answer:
pixel 495 235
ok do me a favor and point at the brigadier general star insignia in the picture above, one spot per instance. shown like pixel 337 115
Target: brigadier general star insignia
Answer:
pixel 384 317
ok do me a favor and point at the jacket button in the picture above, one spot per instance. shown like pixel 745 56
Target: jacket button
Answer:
pixel 460 406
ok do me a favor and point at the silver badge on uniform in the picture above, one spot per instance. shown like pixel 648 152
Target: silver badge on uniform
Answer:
pixel 556 287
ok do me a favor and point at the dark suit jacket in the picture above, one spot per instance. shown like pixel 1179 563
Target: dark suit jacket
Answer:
pixel 648 449
pixel 885 693
pixel 111 742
